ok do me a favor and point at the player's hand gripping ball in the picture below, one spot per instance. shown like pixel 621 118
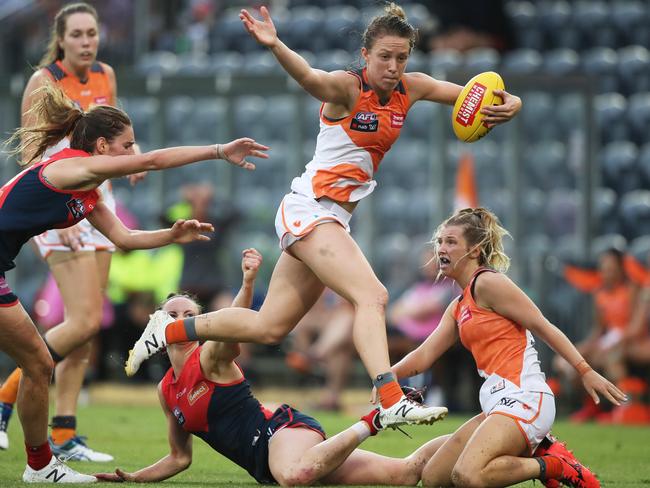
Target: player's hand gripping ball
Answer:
pixel 466 118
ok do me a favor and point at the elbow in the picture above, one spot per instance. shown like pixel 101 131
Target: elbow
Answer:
pixel 183 461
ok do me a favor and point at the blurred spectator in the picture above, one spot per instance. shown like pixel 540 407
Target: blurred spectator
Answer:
pixel 323 339
pixel 467 24
pixel 200 273
pixel 603 347
pixel 414 315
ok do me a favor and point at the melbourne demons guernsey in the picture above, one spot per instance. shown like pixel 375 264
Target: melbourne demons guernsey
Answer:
pixel 349 150
pixel 29 205
pixel 224 415
pixel 95 90
pixel 504 351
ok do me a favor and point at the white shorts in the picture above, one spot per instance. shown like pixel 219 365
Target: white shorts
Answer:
pixel 533 411
pixel 91 238
pixel 298 215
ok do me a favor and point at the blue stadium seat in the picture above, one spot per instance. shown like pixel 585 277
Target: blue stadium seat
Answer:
pixel 406 165
pixel 592 19
pixel 528 30
pixel 644 164
pixel 279 117
pixel 554 17
pixel 638 116
pixel 443 61
pixel 570 113
pixel 634 69
pixel 604 242
pixel 561 212
pixel 635 213
pixel 610 110
pixel 640 248
pixel 628 16
pixel 179 110
pixel 605 211
pixel 602 64
pixel 226 62
pixel 619 166
pixel 500 202
pixel 561 62
pixel 261 63
pixel 142 111
pixel 342 26
pixel 209 116
pixel 306 26
pixel 533 206
pixel 229 33
pixel 418 61
pixel 418 121
pixel 391 208
pixel 335 59
pixel 194 64
pixel 480 59
pixel 249 117
pixel 521 62
pixel 157 62
pixel 537 112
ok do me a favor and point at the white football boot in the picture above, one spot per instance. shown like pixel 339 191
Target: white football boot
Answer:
pixel 56 472
pixel 409 412
pixel 75 449
pixel 4 440
pixel 151 341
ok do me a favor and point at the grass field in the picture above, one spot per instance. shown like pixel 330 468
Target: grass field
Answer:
pixel 136 435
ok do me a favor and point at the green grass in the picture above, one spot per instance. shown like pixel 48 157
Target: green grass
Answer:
pixel 136 436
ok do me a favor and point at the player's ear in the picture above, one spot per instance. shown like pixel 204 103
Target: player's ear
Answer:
pixel 101 145
pixel 364 54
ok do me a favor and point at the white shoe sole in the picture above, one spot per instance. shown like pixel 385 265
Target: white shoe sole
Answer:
pixel 439 414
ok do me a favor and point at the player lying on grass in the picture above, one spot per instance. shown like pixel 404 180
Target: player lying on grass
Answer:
pixel 205 393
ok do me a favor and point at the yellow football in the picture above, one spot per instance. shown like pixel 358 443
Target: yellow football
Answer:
pixel 466 117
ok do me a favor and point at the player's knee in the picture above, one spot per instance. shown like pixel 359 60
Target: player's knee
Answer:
pixel 303 476
pixel 40 367
pixel 375 294
pixel 462 477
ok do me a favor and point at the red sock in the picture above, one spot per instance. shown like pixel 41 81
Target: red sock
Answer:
pixel 389 394
pixel 38 456
pixel 176 332
pixel 553 469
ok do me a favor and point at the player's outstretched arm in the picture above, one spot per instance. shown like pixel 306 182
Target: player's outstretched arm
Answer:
pixel 336 87
pixel 181 232
pixel 178 459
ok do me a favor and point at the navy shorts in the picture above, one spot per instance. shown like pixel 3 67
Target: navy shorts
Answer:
pixel 285 417
pixel 7 296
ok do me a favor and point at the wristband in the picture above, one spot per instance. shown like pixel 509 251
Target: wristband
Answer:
pixel 583 367
pixel 220 153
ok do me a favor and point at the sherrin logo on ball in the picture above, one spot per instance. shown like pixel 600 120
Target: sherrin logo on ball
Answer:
pixel 467 120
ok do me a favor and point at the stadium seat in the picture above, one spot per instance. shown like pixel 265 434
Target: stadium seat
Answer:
pixel 570 113
pixel 408 164
pixel 141 111
pixel 532 207
pixel 604 201
pixel 342 26
pixel 561 62
pixel 306 26
pixel 261 63
pixel 480 59
pixel 644 164
pixel 204 126
pixel 610 113
pixel 391 209
pixel 640 248
pixel 280 117
pixel 226 62
pixel 335 59
pixel 418 122
pixel 602 64
pixel 628 16
pixel 521 62
pixel 554 17
pixel 500 202
pixel 528 31
pixel 536 115
pixel 619 166
pixel 562 212
pixel 194 64
pixel 591 18
pixel 634 69
pixel 635 213
pixel 157 62
pixel 178 111
pixel 638 116
pixel 229 33
pixel 418 61
pixel 249 116
pixel 443 61
pixel 605 242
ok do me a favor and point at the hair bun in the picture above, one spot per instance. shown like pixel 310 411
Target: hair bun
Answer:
pixel 395 10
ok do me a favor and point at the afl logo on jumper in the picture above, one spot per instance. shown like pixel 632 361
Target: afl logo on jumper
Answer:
pixel 200 390
pixel 365 122
pixel 77 208
pixel 180 418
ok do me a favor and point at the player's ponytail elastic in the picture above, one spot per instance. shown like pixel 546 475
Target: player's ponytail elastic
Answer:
pixel 393 23
pixel 55 117
pixel 482 230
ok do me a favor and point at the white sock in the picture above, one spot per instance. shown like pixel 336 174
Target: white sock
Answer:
pixel 362 430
